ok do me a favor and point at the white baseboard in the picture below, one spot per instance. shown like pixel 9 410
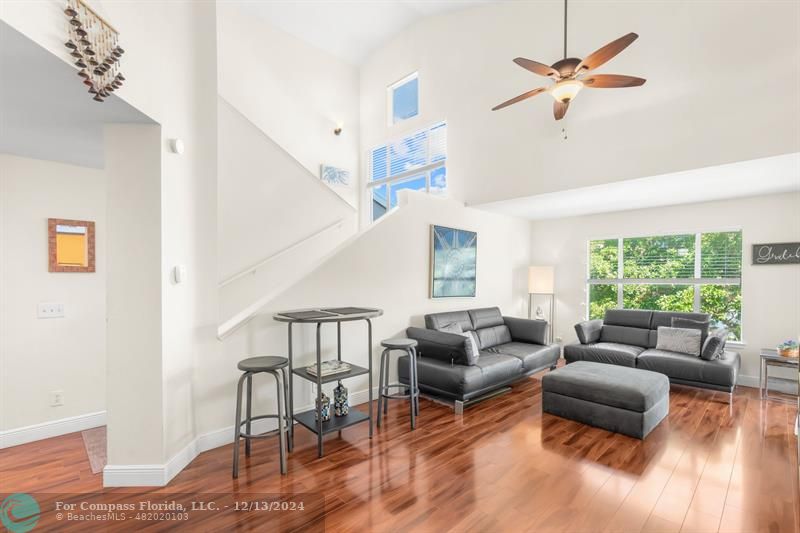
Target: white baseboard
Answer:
pixel 54 428
pixel 134 476
pixel 160 475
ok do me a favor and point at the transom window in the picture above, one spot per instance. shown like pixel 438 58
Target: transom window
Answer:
pixel 403 99
pixel 699 272
pixel 415 161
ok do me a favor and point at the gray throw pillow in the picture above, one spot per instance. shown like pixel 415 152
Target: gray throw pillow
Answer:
pixel 714 345
pixel 470 342
pixel 689 323
pixel 681 340
pixel 471 347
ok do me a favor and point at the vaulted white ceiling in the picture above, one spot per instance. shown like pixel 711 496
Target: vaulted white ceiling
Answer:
pixel 723 86
pixel 349 30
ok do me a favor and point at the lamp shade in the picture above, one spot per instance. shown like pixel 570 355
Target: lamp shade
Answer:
pixel 541 280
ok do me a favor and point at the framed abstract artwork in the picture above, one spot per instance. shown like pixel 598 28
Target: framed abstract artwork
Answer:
pixel 71 245
pixel 454 258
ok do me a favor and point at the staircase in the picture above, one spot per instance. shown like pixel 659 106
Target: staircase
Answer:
pixel 277 220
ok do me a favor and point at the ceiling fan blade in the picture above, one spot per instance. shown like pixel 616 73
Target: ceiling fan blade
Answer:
pixel 560 109
pixel 612 81
pixel 537 68
pixel 523 96
pixel 604 54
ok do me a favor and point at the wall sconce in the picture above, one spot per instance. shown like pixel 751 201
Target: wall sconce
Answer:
pixel 338 129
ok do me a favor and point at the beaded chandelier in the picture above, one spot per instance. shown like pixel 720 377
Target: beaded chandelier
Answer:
pixel 93 45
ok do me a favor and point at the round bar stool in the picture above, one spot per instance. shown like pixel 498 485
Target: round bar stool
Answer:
pixel 256 365
pixel 409 346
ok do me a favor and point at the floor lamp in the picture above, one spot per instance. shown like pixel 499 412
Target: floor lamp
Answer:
pixel 541 282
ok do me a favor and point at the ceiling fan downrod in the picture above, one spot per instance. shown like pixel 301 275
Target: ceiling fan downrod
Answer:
pixel 565 29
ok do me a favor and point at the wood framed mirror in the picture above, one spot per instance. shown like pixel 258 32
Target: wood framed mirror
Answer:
pixel 71 245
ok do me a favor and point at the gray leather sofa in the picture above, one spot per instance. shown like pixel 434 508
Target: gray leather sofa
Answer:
pixel 628 337
pixel 510 348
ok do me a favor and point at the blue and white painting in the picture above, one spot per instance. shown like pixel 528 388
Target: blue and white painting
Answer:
pixel 334 177
pixel 454 257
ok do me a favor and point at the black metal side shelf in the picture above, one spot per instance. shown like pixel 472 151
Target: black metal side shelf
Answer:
pixel 336 423
pixel 336 315
pixel 354 371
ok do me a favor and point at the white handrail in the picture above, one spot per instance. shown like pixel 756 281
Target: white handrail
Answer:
pixel 251 311
pixel 253 268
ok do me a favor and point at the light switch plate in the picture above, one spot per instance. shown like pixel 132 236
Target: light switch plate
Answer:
pixel 50 310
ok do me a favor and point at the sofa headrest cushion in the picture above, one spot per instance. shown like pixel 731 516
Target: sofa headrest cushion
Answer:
pixel 625 335
pixel 493 336
pixel 664 318
pixel 633 318
pixel 487 317
pixel 439 320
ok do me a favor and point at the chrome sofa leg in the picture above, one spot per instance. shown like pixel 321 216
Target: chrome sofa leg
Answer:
pixel 459 407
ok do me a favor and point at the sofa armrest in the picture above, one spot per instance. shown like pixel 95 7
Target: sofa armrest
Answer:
pixel 447 347
pixel 589 331
pixel 524 330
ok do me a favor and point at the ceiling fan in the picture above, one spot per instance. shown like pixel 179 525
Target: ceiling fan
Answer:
pixel 570 74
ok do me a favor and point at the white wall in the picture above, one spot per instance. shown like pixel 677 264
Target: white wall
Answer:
pixel 770 294
pixel 267 203
pixel 697 109
pixel 135 355
pixel 38 356
pixel 294 92
pixel 170 66
pixel 388 267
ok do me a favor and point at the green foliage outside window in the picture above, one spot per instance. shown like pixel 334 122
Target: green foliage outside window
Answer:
pixel 601 297
pixel 670 257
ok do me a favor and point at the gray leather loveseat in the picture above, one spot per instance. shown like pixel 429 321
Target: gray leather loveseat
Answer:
pixel 628 337
pixel 510 348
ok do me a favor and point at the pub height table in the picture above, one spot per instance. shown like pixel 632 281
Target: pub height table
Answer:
pixel 320 316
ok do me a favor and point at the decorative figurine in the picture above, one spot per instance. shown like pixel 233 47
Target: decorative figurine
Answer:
pixel 340 404
pixel 323 408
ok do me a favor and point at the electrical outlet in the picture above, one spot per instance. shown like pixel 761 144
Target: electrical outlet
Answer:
pixel 559 339
pixel 50 310
pixel 57 398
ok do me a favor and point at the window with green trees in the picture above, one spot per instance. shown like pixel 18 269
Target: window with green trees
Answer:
pixel 698 272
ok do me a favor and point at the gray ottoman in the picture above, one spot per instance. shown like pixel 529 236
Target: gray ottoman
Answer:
pixel 617 398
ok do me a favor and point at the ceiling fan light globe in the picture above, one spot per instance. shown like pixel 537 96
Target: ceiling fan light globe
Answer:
pixel 566 90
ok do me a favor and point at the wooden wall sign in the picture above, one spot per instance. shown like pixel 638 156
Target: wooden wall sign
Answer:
pixel 70 245
pixel 776 253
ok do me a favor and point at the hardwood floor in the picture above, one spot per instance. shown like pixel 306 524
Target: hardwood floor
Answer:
pixel 503 466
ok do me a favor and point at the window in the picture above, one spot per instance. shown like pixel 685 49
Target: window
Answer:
pixel 403 99
pixel 698 272
pixel 416 161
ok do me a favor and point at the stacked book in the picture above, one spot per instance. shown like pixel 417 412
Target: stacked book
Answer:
pixel 328 368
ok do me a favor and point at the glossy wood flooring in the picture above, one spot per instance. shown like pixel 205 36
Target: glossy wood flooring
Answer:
pixel 503 466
